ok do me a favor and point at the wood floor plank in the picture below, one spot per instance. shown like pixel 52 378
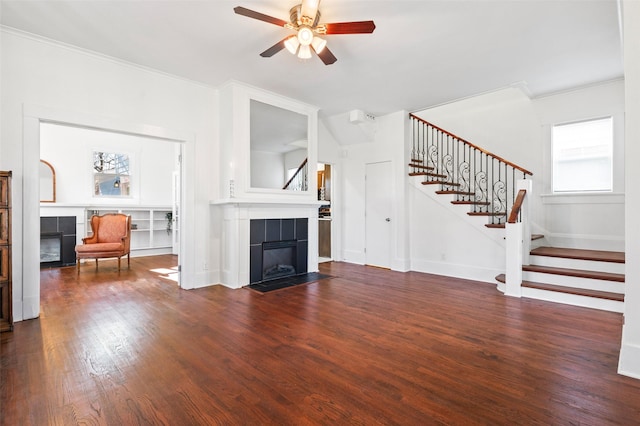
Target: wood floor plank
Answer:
pixel 366 346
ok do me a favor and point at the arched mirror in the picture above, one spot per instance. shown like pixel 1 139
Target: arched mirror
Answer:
pixel 47 182
pixel 278 148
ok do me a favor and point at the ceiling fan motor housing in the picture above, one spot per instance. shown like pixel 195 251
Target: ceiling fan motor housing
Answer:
pixel 296 18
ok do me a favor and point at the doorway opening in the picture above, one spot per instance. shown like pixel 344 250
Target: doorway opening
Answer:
pixel 82 158
pixel 325 212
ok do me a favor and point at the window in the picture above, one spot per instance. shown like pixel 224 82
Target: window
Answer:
pixel 111 175
pixel 582 156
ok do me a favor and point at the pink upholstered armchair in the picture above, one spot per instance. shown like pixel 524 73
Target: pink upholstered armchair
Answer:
pixel 111 238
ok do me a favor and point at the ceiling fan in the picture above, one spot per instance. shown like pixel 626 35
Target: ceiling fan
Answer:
pixel 304 20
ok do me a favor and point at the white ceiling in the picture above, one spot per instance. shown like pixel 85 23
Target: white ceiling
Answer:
pixel 422 53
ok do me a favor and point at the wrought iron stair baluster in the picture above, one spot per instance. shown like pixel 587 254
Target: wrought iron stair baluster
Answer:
pixel 475 176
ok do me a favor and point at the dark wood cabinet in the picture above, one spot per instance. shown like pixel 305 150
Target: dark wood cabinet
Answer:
pixel 6 317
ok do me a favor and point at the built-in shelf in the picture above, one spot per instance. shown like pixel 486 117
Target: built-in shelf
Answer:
pixel 150 232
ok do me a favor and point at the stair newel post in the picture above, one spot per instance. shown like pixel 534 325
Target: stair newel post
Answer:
pixel 518 240
pixel 525 217
pixel 513 272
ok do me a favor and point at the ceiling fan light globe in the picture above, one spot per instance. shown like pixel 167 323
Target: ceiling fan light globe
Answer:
pixel 292 44
pixel 304 52
pixel 305 36
pixel 318 44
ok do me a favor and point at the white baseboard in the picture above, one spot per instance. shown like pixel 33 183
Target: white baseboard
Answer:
pixel 30 308
pixel 468 272
pixel 401 265
pixel 629 364
pixel 353 256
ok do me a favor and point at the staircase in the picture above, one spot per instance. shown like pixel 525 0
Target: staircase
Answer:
pixel 589 278
pixel 486 184
pixel 475 177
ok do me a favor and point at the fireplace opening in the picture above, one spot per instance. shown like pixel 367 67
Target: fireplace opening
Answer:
pixel 57 241
pixel 279 259
pixel 51 248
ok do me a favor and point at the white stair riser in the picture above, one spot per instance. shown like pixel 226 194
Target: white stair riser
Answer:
pixel 587 265
pixel 574 299
pixel 575 282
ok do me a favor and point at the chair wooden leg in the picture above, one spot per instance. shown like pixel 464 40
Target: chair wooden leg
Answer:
pixel 118 264
pixel 96 265
pixel 129 260
pixel 78 265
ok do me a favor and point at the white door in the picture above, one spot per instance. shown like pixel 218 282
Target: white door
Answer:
pixel 378 208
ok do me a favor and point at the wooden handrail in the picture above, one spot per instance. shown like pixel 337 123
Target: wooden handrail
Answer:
pixel 517 205
pixel 515 166
pixel 286 185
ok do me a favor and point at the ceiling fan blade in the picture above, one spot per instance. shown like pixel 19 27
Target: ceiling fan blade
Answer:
pixel 326 56
pixel 274 49
pixel 359 27
pixel 259 16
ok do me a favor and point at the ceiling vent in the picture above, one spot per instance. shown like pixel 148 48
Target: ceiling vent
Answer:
pixel 352 128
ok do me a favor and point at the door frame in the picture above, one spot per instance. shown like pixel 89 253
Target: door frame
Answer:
pixel 33 115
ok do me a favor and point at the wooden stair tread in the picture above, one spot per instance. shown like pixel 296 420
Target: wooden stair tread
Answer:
pixel 437 175
pixel 568 290
pixel 597 275
pixel 416 160
pixel 420 166
pixel 439 182
pixel 453 192
pixel 477 203
pixel 486 213
pixel 568 253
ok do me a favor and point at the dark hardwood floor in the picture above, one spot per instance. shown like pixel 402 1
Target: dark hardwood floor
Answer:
pixel 368 346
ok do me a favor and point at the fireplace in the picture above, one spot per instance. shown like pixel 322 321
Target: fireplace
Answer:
pixel 50 248
pixel 57 241
pixel 279 260
pixel 278 248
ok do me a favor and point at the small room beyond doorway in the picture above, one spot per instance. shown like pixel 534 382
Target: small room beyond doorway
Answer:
pixel 325 213
pixel 97 171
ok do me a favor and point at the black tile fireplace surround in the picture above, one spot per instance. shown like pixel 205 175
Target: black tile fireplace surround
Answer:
pixel 59 230
pixel 278 248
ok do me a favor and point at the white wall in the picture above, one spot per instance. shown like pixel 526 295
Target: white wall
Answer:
pixel 44 79
pixel 630 351
pixel 389 144
pixel 563 219
pixel 70 151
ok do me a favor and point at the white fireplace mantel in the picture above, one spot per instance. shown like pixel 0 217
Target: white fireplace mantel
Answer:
pixel 236 215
